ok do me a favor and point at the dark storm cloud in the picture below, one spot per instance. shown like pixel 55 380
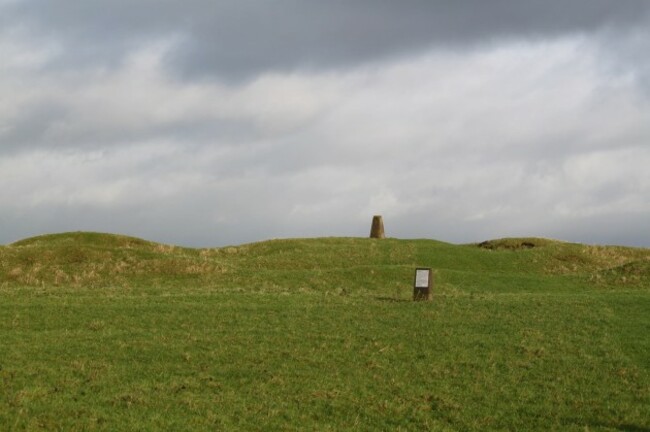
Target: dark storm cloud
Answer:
pixel 237 38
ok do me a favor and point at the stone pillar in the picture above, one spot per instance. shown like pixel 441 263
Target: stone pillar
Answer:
pixel 377 230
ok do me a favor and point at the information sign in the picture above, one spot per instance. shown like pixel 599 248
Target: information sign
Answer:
pixel 422 284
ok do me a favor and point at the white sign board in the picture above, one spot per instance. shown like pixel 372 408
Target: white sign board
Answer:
pixel 422 278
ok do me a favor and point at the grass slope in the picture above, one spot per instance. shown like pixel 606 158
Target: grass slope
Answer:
pixel 105 332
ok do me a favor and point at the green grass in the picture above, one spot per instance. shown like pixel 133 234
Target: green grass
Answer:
pixel 102 332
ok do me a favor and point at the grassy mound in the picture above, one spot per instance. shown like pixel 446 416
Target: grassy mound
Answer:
pixel 635 273
pixel 111 333
pixel 340 264
pixel 91 260
pixel 83 239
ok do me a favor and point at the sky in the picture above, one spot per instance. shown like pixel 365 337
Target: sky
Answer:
pixel 207 123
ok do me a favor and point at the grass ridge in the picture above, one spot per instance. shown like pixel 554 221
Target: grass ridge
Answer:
pixel 86 259
pixel 101 332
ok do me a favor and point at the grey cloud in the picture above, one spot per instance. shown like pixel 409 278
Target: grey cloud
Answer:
pixel 627 54
pixel 37 130
pixel 29 129
pixel 231 201
pixel 615 228
pixel 460 145
pixel 239 38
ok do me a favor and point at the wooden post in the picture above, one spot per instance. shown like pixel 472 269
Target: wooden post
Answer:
pixel 377 230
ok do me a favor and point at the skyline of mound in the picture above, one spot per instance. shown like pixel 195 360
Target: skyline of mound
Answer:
pixel 92 260
pixel 496 243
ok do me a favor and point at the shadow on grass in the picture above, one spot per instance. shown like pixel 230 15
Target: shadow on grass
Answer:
pixel 392 300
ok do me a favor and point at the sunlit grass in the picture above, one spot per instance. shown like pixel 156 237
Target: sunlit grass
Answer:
pixel 321 334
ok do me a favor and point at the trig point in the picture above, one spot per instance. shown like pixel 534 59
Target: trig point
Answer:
pixel 377 230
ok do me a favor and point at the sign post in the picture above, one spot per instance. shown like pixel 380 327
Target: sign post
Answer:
pixel 422 284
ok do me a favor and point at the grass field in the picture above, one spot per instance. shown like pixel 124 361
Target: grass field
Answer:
pixel 111 333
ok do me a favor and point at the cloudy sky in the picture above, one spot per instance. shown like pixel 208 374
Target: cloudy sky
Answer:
pixel 216 122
